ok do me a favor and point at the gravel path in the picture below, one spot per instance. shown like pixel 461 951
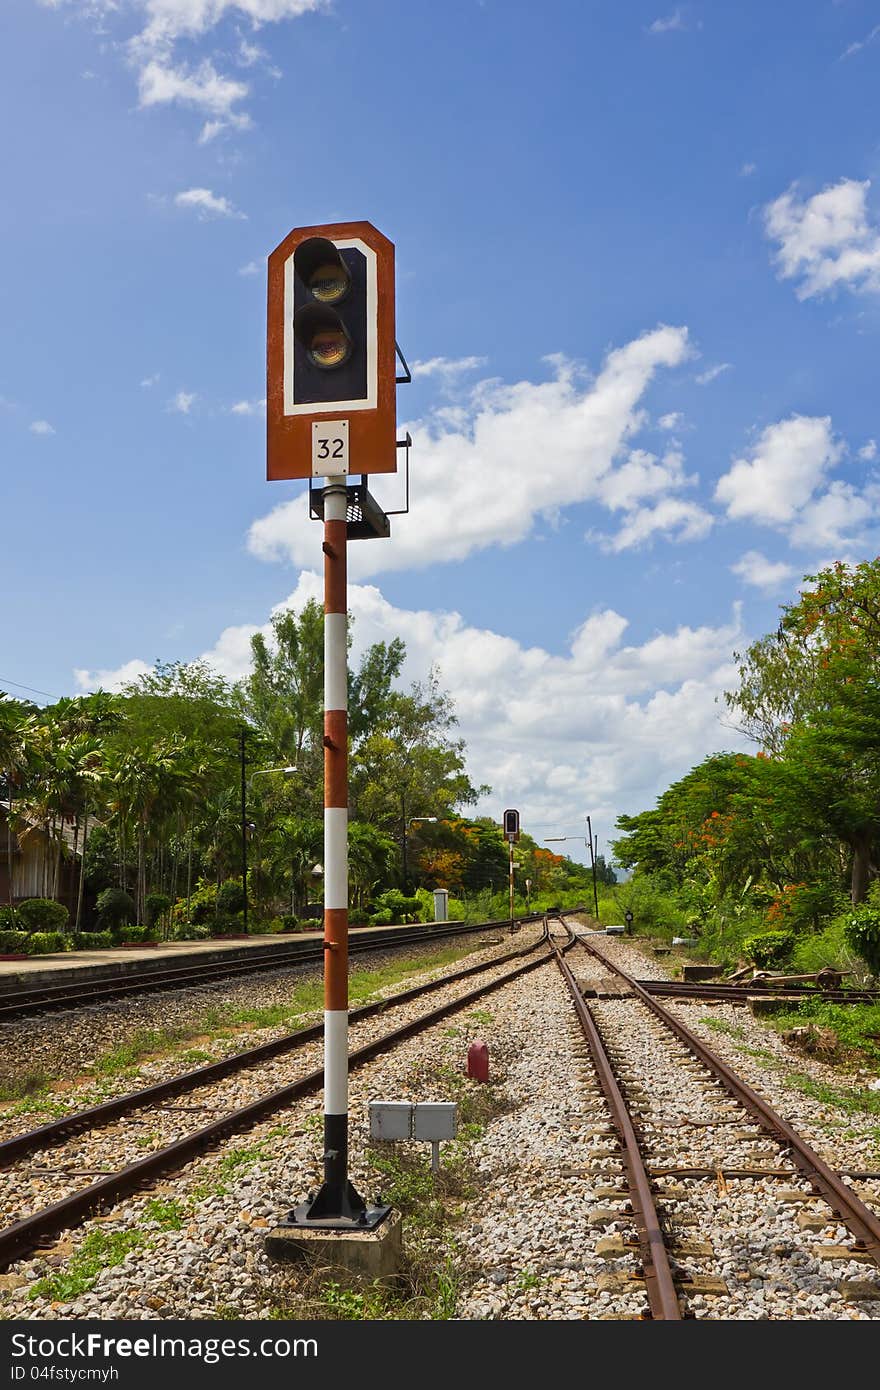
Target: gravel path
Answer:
pixel 528 1240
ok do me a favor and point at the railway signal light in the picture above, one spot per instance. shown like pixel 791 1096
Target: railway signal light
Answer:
pixel 331 356
pixel 511 825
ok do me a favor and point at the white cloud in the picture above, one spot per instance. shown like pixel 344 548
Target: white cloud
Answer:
pixel 149 381
pixel 868 451
pixel 248 407
pixel 151 50
pixel 110 680
pixel 253 268
pixel 861 43
pixel 747 169
pixel 206 203
pixel 781 485
pixel 711 373
pixel 446 366
pixel 170 20
pixel 506 457
pixel 755 569
pixel 683 521
pixel 41 427
pixel 672 421
pixel 789 461
pixel 651 715
pixel 203 87
pixel 836 518
pixel 183 402
pixel 826 240
pixel 668 24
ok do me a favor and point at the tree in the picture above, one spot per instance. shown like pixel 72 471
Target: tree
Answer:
pixel 809 694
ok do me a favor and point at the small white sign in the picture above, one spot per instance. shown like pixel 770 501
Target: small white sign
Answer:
pixel 329 448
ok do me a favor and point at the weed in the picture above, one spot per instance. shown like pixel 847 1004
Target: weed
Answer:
pixel 527 1279
pixel 100 1250
pixel 858 1101
pixel 481 1018
pixel 23 1085
pixel 857 1026
pixel 169 1216
pixel 720 1025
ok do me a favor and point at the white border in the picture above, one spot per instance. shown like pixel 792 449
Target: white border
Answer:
pixel 317 407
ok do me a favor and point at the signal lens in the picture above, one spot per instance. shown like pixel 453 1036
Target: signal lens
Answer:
pixel 329 282
pixel 329 347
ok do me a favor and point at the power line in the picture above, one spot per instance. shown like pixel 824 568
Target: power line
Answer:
pixel 18 685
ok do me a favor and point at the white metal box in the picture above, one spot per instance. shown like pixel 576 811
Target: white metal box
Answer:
pixel 391 1119
pixel 435 1120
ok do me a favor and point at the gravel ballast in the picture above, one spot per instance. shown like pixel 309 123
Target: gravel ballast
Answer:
pixel 529 1239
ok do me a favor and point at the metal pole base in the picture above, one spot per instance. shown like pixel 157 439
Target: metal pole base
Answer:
pixel 337 1209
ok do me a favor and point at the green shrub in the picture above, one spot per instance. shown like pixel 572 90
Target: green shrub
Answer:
pixel 92 940
pixel 115 908
pixel 225 924
pixel 42 915
pixel 383 918
pixel 401 907
pixel 133 934
pixel 769 948
pixel 7 919
pixel 828 948
pixel 861 930
pixel 13 942
pixel 46 943
pixel 191 931
pixel 230 897
pixel 156 904
pixel 203 903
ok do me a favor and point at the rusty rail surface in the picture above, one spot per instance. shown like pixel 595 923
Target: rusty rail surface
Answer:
pixel 659 1282
pixel 741 994
pixel 26 1234
pixel 855 1215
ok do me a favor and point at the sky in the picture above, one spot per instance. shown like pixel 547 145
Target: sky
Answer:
pixel 638 285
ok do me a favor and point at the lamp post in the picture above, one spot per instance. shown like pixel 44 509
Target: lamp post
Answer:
pixel 406 824
pixel 528 896
pixel 246 783
pixel 588 841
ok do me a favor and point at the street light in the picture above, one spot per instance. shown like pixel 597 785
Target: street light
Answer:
pixel 245 785
pixel 406 824
pixel 588 841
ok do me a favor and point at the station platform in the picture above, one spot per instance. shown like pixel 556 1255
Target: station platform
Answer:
pixel 72 967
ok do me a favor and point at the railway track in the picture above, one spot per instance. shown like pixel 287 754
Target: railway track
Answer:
pixel 743 994
pixel 57 1168
pixel 680 1148
pixel 84 993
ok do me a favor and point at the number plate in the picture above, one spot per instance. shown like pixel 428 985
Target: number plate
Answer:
pixel 329 448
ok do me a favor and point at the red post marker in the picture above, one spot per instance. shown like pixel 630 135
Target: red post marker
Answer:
pixel 478 1061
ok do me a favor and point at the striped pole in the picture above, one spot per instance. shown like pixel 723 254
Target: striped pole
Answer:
pixel 337 1201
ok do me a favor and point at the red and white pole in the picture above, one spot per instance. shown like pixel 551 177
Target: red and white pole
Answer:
pixel 337 1202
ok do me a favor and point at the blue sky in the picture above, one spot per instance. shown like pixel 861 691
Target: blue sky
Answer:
pixel 638 278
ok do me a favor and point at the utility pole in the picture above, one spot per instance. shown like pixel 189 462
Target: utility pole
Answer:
pixel 242 733
pixel 593 865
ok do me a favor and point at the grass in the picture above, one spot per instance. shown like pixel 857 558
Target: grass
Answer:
pixel 23 1085
pixel 169 1215
pixel 856 1026
pixel 221 1021
pixel 859 1100
pixel 720 1025
pixel 100 1250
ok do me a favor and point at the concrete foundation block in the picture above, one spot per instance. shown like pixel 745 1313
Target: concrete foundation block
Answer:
pixel 346 1256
